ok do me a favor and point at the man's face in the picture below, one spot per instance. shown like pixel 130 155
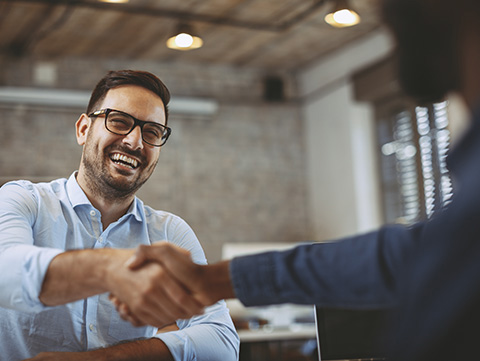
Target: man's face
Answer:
pixel 427 46
pixel 116 166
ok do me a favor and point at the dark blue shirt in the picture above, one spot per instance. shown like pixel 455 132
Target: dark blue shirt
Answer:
pixel 427 274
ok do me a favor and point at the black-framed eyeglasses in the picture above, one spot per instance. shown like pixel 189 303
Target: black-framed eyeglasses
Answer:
pixel 121 123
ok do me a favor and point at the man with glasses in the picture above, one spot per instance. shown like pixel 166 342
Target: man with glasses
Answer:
pixel 64 245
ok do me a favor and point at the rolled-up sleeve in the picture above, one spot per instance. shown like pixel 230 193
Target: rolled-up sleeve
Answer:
pixel 24 263
pixel 211 336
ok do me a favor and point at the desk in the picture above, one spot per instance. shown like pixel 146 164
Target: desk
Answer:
pixel 294 332
pixel 265 343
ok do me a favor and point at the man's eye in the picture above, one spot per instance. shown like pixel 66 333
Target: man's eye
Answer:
pixel 119 122
pixel 153 131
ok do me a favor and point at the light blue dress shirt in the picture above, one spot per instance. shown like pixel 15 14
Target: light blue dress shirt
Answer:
pixel 40 221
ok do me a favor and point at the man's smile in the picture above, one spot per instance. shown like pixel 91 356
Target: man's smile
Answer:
pixel 124 160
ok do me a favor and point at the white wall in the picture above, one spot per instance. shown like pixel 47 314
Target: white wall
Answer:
pixel 342 176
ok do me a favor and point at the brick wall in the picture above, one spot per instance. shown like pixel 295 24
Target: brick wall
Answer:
pixel 236 176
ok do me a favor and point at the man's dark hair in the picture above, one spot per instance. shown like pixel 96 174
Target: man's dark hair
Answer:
pixel 114 79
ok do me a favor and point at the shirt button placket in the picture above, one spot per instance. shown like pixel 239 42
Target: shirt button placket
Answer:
pixel 95 222
pixel 91 322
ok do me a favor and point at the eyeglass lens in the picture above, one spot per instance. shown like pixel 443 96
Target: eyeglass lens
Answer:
pixel 122 124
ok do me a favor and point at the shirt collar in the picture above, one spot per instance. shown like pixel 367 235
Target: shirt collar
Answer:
pixel 77 198
pixel 75 192
pixel 136 209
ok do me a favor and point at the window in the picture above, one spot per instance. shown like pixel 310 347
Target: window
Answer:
pixel 413 142
pixel 412 145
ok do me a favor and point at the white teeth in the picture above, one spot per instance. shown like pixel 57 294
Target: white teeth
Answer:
pixel 132 162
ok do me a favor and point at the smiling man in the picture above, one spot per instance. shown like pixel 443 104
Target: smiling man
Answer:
pixel 64 245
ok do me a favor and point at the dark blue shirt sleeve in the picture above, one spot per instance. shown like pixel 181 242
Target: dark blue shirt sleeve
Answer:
pixel 355 272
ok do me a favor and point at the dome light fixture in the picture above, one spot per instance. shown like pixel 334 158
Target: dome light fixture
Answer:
pixel 342 15
pixel 114 1
pixel 184 39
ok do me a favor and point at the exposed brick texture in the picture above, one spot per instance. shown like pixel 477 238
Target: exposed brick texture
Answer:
pixel 238 176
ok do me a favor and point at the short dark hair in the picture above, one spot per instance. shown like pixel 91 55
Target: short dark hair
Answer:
pixel 114 79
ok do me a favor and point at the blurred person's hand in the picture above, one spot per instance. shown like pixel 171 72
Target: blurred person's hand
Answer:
pixel 188 285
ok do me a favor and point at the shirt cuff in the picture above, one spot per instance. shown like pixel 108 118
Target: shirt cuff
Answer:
pixel 253 279
pixel 178 344
pixel 35 265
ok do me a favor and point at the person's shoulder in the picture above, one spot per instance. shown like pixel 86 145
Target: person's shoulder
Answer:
pixel 163 225
pixel 28 184
pixel 153 214
pixel 27 195
pixel 54 186
pixel 17 191
pixel 36 189
pixel 22 183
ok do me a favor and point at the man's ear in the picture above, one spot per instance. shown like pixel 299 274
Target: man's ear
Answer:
pixel 82 126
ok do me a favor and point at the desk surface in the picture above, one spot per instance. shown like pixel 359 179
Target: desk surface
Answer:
pixel 293 332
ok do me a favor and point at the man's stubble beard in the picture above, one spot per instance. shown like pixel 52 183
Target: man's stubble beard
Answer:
pixel 101 183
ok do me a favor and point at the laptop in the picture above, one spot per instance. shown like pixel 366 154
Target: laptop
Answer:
pixel 350 334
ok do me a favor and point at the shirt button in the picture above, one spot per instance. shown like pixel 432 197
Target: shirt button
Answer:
pixel 92 213
pixel 100 240
pixel 91 327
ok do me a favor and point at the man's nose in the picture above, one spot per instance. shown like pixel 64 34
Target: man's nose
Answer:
pixel 134 138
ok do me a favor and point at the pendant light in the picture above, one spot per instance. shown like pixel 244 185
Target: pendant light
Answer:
pixel 114 1
pixel 342 15
pixel 184 39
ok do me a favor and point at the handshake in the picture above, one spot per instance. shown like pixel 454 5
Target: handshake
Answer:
pixel 168 286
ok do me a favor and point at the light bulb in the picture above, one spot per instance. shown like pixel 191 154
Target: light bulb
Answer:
pixel 345 17
pixel 183 40
pixel 342 17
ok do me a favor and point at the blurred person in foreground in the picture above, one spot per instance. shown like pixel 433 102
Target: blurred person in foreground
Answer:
pixel 428 274
pixel 63 246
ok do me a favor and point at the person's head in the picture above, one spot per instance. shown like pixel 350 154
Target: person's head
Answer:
pixel 122 133
pixel 114 79
pixel 429 37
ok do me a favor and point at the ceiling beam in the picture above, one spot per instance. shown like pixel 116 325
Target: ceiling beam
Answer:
pixel 184 15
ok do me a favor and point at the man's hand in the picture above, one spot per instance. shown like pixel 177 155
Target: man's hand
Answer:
pixel 208 284
pixel 152 294
pixel 200 285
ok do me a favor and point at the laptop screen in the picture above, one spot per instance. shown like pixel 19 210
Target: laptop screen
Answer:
pixel 350 334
